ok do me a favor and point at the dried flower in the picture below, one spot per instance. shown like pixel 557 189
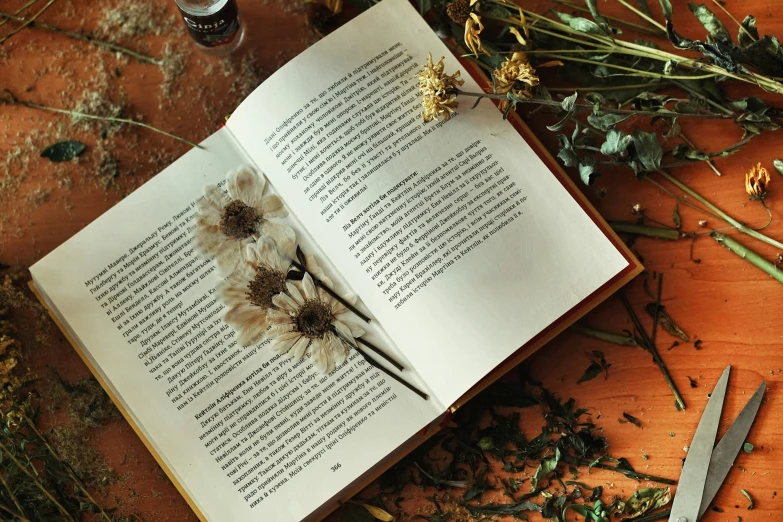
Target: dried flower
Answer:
pixel 756 181
pixel 227 223
pixel 308 320
pixel 458 11
pixel 702 222
pixel 473 28
pixel 438 90
pixel 515 68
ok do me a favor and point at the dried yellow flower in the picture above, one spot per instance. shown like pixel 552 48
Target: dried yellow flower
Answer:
pixel 515 68
pixel 473 28
pixel 756 182
pixel 438 90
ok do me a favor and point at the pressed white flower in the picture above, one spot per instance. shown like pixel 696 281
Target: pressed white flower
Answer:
pixel 307 320
pixel 226 223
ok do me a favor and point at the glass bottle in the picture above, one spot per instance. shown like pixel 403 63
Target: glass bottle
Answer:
pixel 214 25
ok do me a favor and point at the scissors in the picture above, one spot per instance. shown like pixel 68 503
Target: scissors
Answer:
pixel 707 464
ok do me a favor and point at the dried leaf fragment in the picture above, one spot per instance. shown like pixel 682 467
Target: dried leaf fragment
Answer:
pixel 666 322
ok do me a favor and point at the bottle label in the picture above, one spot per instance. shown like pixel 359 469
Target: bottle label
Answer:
pixel 216 29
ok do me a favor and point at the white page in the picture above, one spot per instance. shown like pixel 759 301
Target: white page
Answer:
pixel 307 126
pixel 316 439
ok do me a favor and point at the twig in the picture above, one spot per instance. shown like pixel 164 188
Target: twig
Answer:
pixel 17 516
pixel 335 295
pixel 645 230
pixel 742 27
pixel 646 343
pixel 83 37
pixel 373 363
pixel 14 100
pixel 655 516
pixel 643 16
pixel 749 255
pixel 37 483
pixel 27 22
pixel 627 472
pixel 13 497
pixel 601 335
pixel 25 6
pixel 619 21
pixel 684 138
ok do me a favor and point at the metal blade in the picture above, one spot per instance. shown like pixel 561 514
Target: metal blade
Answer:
pixel 690 488
pixel 725 453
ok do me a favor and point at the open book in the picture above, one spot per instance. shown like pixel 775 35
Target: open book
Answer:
pixel 467 250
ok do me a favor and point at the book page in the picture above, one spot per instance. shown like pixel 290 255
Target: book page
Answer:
pixel 456 235
pixel 243 431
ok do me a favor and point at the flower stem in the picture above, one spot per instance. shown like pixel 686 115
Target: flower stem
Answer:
pixel 374 364
pixel 20 514
pixel 25 6
pixel 602 335
pixel 332 293
pixel 83 37
pixel 749 255
pixel 645 230
pixel 725 217
pixel 645 342
pixel 13 100
pixel 655 516
pixel 380 352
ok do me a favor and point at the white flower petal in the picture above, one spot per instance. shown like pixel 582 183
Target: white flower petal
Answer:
pixel 285 302
pixel 284 342
pixel 207 240
pixel 345 332
pixel 309 287
pixel 229 256
pixel 300 348
pixel 294 292
pixel 356 330
pixel 338 350
pixel 247 186
pixel 253 331
pixel 232 291
pixel 314 268
pixel 272 206
pixel 282 235
pixel 214 197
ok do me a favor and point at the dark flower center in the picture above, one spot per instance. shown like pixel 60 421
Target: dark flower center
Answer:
pixel 267 284
pixel 239 220
pixel 314 318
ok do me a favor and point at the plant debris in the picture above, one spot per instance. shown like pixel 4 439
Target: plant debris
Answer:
pixel 63 151
pixel 666 322
pixel 750 499
pixel 633 420
pixel 597 366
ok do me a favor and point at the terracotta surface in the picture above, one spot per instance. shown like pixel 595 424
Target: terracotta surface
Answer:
pixel 733 308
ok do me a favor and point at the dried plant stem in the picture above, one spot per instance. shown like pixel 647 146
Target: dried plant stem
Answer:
pixel 380 352
pixel 585 106
pixel 656 516
pixel 27 22
pixel 602 335
pixel 335 295
pixel 684 138
pixel 742 27
pixel 618 21
pixel 83 37
pixel 38 484
pixel 749 255
pixel 725 217
pixel 645 230
pixel 15 101
pixel 644 16
pixel 19 515
pixel 21 9
pixel 71 473
pixel 373 363
pixel 645 342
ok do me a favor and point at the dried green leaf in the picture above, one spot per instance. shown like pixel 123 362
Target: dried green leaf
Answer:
pixel 676 217
pixel 766 55
pixel 778 164
pixel 750 499
pixel 567 154
pixel 646 500
pixel 633 420
pixel 378 513
pixel 643 7
pixel 714 27
pixel 486 443
pixel 63 151
pixel 568 106
pixel 616 142
pixel 587 171
pixel 748 32
pixel 603 22
pixel 747 448
pixel 648 150
pixel 666 322
pixel 605 120
pixel 577 23
pixel 666 8
pixel 723 53
pixel 547 466
pixel 592 371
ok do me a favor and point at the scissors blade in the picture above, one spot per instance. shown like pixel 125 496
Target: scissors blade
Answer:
pixel 725 453
pixel 690 488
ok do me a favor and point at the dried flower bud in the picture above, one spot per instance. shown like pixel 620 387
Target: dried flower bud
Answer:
pixel 458 11
pixel 516 68
pixel 702 222
pixel 756 181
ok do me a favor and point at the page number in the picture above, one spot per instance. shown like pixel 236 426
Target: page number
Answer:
pixel 336 467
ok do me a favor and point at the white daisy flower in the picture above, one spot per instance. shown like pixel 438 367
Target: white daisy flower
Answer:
pixel 308 320
pixel 226 223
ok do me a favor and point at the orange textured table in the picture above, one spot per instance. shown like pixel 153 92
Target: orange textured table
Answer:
pixel 731 307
